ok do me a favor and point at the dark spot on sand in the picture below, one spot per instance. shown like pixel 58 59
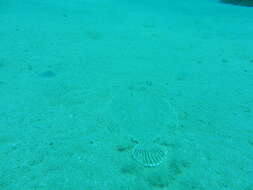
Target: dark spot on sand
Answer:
pixel 47 74
pixel 224 61
pixel 93 35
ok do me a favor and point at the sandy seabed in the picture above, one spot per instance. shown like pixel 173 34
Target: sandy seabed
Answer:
pixel 63 62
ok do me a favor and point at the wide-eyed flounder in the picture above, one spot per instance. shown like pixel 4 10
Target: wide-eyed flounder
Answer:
pixel 143 113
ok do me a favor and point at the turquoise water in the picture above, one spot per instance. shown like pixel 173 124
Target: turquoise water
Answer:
pixel 126 95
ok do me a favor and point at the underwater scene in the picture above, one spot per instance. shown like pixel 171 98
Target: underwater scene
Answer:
pixel 126 95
